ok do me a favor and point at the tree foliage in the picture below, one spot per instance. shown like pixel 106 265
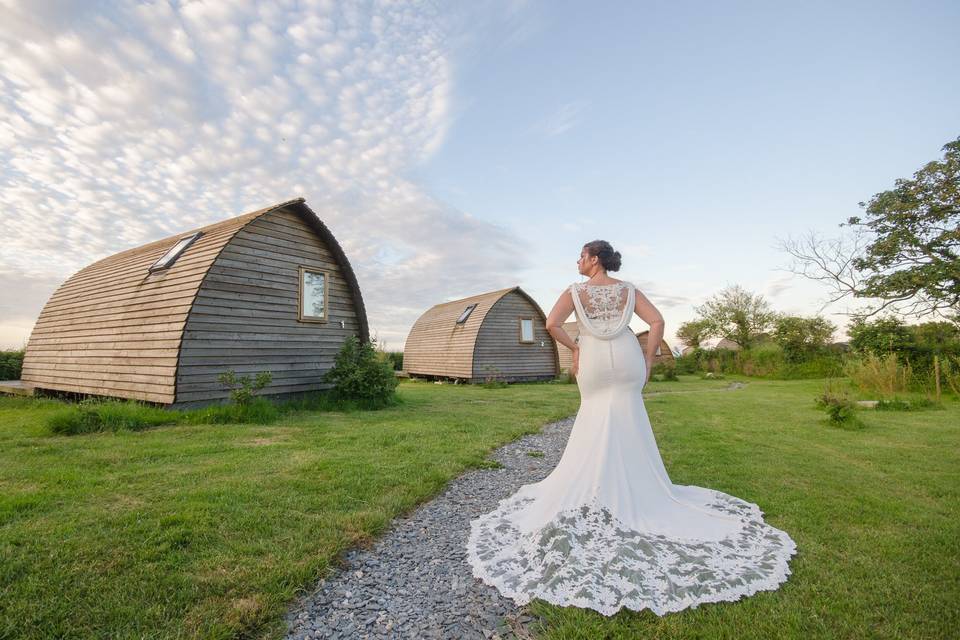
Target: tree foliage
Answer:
pixel 693 332
pixel 801 337
pixel 915 254
pixel 736 314
pixel 906 249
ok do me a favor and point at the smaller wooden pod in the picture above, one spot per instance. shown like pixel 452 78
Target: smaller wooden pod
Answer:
pixel 663 354
pixel 500 334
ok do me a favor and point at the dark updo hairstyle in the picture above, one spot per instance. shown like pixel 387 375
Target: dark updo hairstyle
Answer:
pixel 609 259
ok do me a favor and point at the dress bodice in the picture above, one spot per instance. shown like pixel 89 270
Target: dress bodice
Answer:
pixel 603 310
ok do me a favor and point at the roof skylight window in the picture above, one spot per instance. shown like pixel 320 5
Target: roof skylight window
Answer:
pixel 171 256
pixel 466 313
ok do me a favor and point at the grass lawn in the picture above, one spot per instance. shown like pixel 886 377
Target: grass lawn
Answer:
pixel 209 530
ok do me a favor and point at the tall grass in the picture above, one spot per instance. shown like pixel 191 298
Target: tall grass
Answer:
pixel 884 375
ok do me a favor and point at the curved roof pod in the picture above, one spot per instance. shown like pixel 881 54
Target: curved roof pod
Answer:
pixel 116 327
pixel 663 350
pixel 488 335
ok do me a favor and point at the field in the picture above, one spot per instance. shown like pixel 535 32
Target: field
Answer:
pixel 210 530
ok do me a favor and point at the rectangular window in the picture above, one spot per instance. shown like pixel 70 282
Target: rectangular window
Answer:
pixel 466 313
pixel 313 295
pixel 526 329
pixel 174 252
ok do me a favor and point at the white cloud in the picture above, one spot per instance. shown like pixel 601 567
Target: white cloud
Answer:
pixel 123 127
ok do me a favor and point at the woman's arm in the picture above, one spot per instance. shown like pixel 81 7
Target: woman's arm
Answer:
pixel 560 312
pixel 649 314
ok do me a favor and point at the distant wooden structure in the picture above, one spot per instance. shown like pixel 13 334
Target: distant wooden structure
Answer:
pixel 269 290
pixel 566 355
pixel 500 334
pixel 663 353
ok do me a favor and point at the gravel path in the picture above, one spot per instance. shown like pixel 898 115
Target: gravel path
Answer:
pixel 415 582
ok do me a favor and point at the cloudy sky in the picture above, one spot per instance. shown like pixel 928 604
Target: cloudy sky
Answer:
pixel 456 148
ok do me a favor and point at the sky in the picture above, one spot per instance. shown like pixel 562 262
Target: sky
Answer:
pixel 458 148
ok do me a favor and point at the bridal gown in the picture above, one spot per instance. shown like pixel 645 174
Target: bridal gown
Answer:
pixel 607 528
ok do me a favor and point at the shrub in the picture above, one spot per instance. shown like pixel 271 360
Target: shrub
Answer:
pixel 665 371
pixel 363 376
pixel 396 359
pixel 840 407
pixel 11 364
pixel 493 378
pixel 243 388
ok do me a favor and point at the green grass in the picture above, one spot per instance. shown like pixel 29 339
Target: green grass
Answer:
pixel 210 531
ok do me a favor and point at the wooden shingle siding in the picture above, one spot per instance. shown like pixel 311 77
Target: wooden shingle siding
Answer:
pixel 116 329
pixel 245 314
pixel 438 347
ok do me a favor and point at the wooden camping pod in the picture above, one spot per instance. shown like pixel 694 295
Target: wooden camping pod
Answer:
pixel 488 343
pixel 663 353
pixel 230 300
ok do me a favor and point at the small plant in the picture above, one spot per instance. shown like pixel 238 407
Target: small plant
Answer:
pixel 244 388
pixel 535 454
pixel 493 379
pixel 840 407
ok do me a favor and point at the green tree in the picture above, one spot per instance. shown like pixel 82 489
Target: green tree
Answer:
pixel 736 314
pixel 693 332
pixel 800 337
pixel 906 248
pixel 879 336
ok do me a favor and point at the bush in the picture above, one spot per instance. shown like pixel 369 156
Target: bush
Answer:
pixel 362 375
pixel 493 378
pixel 840 407
pixel 11 364
pixel 243 388
pixel 396 359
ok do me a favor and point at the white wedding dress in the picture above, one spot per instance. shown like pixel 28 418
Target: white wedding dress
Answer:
pixel 607 528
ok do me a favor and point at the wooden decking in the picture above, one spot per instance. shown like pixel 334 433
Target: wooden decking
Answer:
pixel 16 387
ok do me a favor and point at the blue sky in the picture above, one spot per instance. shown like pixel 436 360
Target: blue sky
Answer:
pixel 455 151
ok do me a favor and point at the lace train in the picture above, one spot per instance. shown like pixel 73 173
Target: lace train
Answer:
pixel 587 557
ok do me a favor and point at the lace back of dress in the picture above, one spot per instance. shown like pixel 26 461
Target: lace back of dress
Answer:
pixel 604 303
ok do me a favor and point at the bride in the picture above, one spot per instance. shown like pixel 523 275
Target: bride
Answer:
pixel 607 528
